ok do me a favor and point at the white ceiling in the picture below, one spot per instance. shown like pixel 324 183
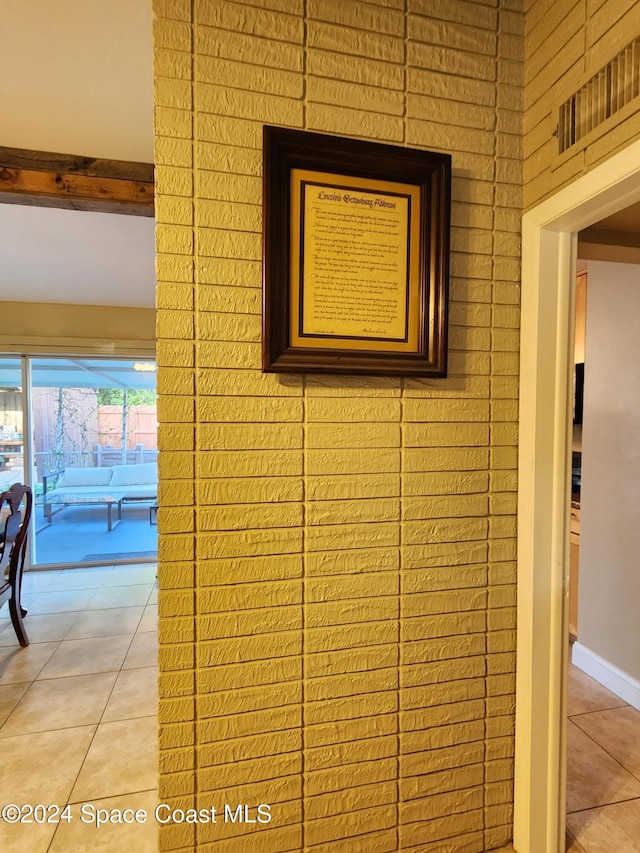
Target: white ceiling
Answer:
pixel 74 256
pixel 76 77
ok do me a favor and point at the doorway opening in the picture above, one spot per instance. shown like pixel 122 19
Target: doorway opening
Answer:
pixel 549 252
pixel 603 773
pixel 82 432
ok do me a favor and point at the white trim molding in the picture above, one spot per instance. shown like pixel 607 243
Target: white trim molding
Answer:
pixel 548 282
pixel 610 676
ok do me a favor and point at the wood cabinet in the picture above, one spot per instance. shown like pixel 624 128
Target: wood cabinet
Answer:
pixel 573 572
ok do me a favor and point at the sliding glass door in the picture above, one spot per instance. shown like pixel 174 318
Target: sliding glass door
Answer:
pixel 90 457
pixel 12 423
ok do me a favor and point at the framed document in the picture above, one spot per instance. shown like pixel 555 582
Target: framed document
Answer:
pixel 355 256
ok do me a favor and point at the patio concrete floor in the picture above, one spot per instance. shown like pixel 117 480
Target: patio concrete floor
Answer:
pixel 78 534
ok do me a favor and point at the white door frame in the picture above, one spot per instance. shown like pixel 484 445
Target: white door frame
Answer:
pixel 548 282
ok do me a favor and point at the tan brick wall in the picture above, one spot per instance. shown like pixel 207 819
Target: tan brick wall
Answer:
pixel 337 606
pixel 566 43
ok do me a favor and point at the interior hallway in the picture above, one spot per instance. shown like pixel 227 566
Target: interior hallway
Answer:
pixel 78 707
pixel 603 769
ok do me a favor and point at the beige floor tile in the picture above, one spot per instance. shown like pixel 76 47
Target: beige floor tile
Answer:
pixel 8 636
pixel 10 695
pixel 18 838
pixel 130 575
pixel 120 596
pixel 81 657
pixel 135 695
pixel 79 836
pixel 42 767
pixel 82 578
pixel 594 778
pixel 41 629
pixel 149 621
pixel 60 601
pixel 143 651
pixel 18 664
pixel 587 695
pixel 105 623
pixel 609 829
pixel 39 581
pixel 27 599
pixel 56 682
pixel 61 703
pixel 153 598
pixel 618 732
pixel 572 845
pixel 122 759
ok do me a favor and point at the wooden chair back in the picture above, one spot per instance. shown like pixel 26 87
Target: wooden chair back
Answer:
pixel 15 512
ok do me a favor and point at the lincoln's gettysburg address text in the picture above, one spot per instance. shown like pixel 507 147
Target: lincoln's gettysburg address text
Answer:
pixel 355 263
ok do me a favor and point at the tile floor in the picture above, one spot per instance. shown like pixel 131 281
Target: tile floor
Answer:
pixel 78 708
pixel 603 770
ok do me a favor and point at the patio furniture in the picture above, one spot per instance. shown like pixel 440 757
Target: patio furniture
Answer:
pixel 86 500
pixel 142 499
pixel 14 525
pixel 119 484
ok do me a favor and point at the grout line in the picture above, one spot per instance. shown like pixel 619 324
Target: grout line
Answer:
pixel 606 805
pixel 605 750
pixel 626 770
pixel 599 710
pixel 116 672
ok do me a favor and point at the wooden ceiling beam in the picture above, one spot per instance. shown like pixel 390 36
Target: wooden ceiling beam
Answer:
pixel 65 181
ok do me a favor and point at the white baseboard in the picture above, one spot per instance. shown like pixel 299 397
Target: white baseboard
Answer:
pixel 614 679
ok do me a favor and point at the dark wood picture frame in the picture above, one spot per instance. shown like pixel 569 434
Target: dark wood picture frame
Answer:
pixel 408 338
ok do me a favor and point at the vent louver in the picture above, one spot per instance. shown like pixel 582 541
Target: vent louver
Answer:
pixel 602 96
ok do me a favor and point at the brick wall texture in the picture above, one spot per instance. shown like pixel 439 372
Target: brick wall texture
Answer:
pixel 567 42
pixel 337 555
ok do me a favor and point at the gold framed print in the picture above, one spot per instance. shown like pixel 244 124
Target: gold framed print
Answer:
pixel 355 256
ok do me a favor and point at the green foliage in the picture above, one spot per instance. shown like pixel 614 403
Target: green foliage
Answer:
pixel 135 396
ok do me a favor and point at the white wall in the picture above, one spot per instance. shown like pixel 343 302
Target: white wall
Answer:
pixel 76 77
pixel 609 591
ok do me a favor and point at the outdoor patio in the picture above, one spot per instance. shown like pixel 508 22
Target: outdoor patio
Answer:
pixel 78 534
